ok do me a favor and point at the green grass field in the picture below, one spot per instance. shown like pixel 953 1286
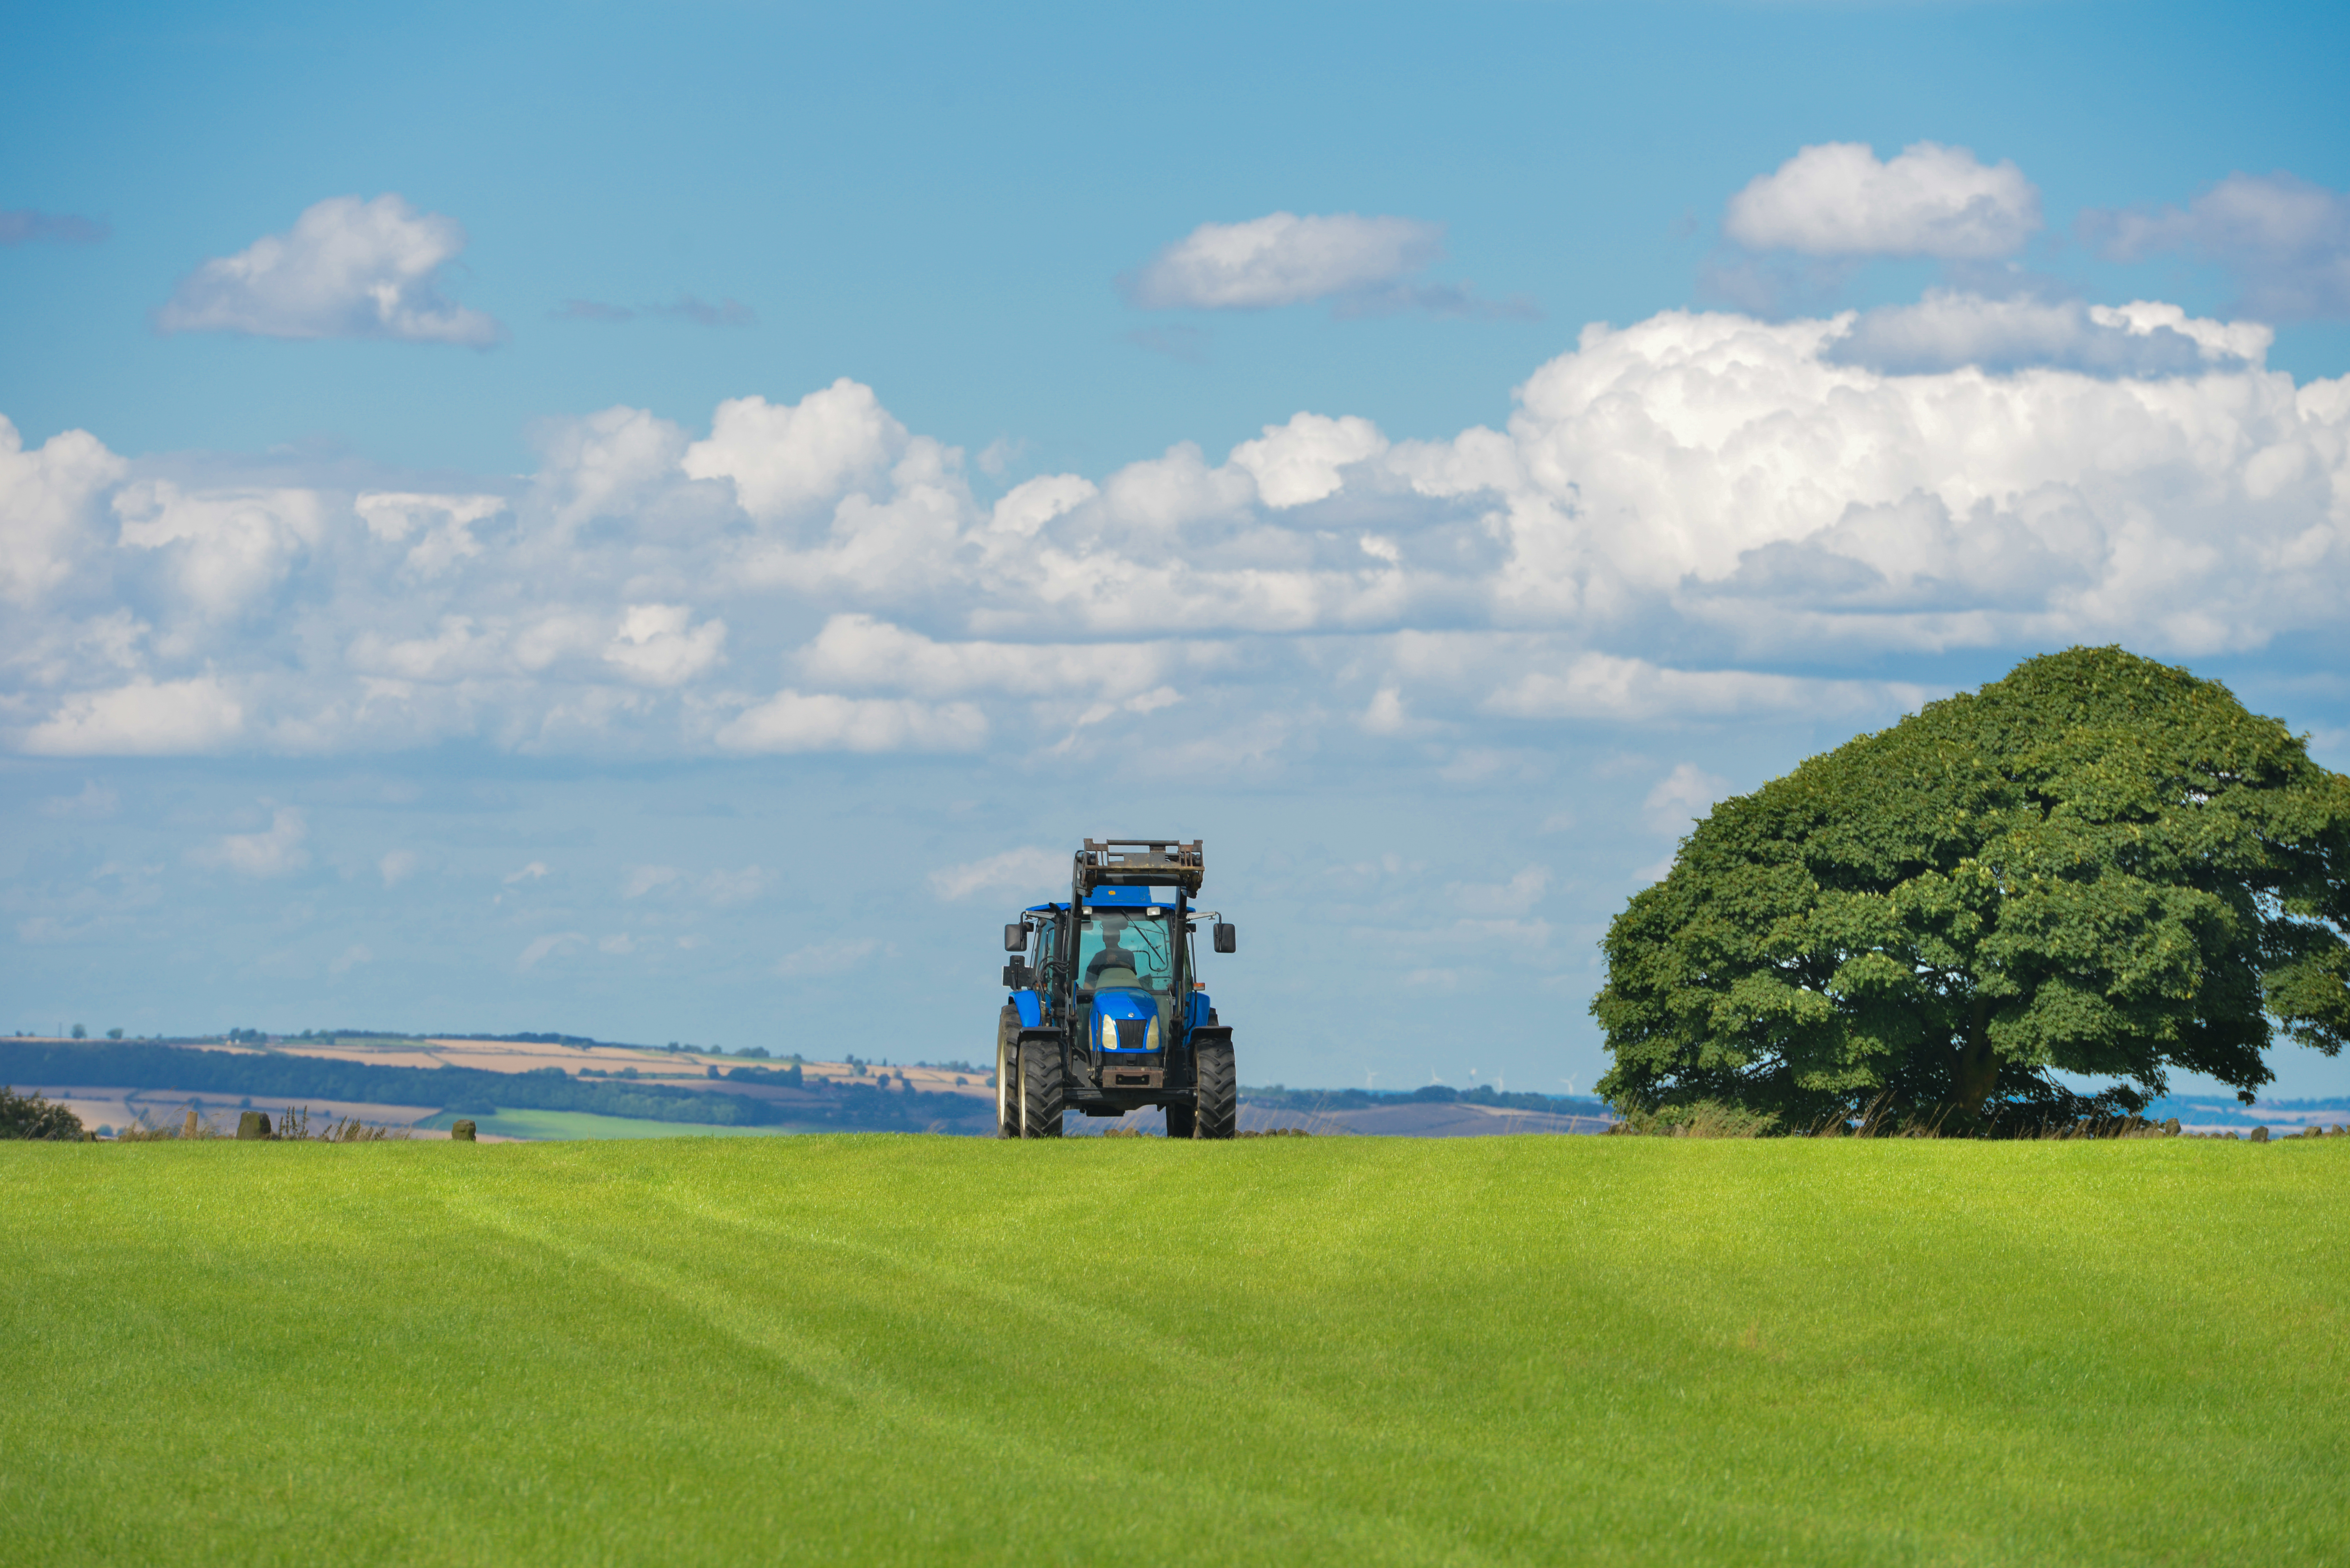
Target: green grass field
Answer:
pixel 1282 1351
pixel 588 1125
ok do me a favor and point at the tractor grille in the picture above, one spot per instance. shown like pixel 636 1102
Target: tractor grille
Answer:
pixel 1132 1033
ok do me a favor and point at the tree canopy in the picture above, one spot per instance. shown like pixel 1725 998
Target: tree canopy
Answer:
pixel 2099 864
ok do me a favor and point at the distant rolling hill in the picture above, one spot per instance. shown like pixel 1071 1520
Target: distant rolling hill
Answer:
pixel 419 1080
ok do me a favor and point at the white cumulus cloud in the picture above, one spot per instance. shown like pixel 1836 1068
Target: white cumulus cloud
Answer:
pixel 47 501
pixel 1837 199
pixel 274 852
pixel 621 462
pixel 144 718
pixel 441 525
pixel 1030 505
pixel 346 268
pixel 1685 457
pixel 783 458
pixel 824 721
pixel 1600 686
pixel 1688 519
pixel 1300 461
pixel 1283 259
pixel 658 645
pixel 862 652
pixel 1949 330
pixel 230 547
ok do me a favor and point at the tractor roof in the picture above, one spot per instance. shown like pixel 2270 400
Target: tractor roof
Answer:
pixel 1107 898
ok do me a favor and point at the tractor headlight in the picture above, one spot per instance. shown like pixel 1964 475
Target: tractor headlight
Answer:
pixel 1150 1035
pixel 1109 1034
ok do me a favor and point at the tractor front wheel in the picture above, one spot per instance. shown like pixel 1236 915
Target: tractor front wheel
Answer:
pixel 1180 1121
pixel 1216 1097
pixel 1041 1090
pixel 1007 1075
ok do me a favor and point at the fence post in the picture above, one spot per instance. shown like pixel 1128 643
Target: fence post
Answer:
pixel 251 1125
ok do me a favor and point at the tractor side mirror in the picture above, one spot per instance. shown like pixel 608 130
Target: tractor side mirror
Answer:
pixel 1016 975
pixel 1227 940
pixel 1016 938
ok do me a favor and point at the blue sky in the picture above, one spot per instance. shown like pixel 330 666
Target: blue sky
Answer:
pixel 1166 422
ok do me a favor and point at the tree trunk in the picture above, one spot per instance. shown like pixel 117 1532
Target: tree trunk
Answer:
pixel 1976 1073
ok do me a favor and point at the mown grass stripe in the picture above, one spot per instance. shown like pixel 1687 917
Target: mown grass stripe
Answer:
pixel 904 1349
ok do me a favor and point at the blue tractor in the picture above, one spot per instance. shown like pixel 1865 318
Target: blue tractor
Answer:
pixel 1107 1015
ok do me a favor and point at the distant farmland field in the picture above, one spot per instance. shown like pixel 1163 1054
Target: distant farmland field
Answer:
pixel 118 1083
pixel 1282 1351
pixel 545 1125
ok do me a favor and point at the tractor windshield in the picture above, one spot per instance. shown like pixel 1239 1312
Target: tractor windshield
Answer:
pixel 1130 948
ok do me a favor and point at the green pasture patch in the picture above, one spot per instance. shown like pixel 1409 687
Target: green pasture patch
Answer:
pixel 555 1125
pixel 896 1349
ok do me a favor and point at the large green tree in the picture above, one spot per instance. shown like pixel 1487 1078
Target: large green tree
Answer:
pixel 2100 865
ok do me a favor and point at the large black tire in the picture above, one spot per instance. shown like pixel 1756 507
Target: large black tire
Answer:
pixel 1217 1096
pixel 1041 1090
pixel 1178 1121
pixel 1007 1074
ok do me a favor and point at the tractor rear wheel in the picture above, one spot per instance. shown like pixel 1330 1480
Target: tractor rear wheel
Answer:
pixel 1216 1093
pixel 1041 1092
pixel 1178 1121
pixel 1007 1075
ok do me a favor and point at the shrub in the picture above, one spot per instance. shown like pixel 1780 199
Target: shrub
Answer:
pixel 293 1127
pixel 142 1130
pixel 1707 1118
pixel 29 1116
